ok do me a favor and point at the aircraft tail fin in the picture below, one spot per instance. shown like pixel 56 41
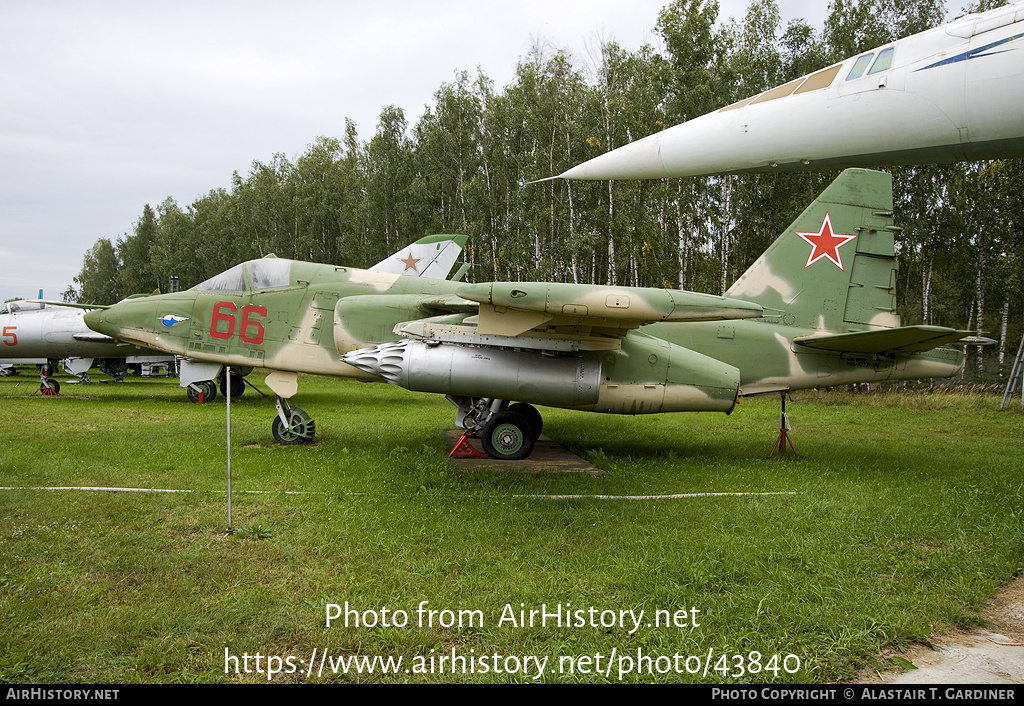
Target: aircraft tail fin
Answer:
pixel 432 256
pixel 834 268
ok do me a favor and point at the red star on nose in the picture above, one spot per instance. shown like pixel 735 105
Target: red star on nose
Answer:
pixel 410 262
pixel 825 243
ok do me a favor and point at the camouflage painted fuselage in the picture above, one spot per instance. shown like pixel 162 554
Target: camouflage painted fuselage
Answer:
pixel 325 311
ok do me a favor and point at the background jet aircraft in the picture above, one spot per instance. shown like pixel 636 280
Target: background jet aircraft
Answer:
pixel 44 333
pixel 947 94
pixel 818 308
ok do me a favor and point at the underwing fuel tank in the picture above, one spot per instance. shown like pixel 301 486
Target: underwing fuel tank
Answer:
pixel 646 376
pixel 649 375
pixel 469 371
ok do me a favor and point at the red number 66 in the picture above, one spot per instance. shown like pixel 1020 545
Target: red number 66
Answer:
pixel 248 323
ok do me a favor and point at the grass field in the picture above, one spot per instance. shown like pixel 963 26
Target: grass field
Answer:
pixel 901 516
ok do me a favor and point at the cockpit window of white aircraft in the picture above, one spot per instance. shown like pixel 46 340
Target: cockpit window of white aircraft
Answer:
pixel 12 307
pixel 858 68
pixel 883 62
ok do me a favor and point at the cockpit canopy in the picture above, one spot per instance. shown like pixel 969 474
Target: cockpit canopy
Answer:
pixel 20 305
pixel 882 63
pixel 265 273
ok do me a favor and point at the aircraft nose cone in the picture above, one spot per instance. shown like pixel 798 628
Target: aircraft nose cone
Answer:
pixel 102 320
pixel 637 160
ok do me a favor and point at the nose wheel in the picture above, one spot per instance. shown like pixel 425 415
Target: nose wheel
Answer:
pixel 48 387
pixel 199 392
pixel 292 425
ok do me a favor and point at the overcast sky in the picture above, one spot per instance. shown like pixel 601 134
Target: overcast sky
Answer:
pixel 106 106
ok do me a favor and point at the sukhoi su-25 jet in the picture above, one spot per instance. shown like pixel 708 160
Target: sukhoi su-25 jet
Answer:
pixel 818 308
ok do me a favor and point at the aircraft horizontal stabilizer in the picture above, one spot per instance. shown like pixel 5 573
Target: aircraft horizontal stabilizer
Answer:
pixel 905 339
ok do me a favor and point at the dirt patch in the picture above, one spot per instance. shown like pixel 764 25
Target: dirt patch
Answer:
pixel 985 656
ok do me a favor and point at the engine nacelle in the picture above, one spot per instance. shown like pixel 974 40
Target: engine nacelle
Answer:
pixel 368 318
pixel 651 375
pixel 470 371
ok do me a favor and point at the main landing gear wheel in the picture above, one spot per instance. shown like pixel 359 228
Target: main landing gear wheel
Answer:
pixel 207 387
pixel 237 385
pixel 532 417
pixel 508 437
pixel 117 368
pixel 300 429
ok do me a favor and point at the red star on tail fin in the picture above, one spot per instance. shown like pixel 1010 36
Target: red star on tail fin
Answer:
pixel 825 243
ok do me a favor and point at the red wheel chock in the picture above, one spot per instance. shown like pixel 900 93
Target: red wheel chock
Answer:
pixel 464 449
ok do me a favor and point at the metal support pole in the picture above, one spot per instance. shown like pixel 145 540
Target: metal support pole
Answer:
pixel 783 440
pixel 227 396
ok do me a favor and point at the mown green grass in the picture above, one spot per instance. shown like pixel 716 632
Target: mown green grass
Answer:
pixel 905 518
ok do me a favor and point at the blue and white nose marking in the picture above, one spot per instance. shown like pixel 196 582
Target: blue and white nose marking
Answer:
pixel 169 320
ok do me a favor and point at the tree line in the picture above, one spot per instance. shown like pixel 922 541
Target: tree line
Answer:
pixel 467 163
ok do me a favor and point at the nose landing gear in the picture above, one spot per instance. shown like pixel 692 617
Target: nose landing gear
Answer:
pixel 292 425
pixel 48 387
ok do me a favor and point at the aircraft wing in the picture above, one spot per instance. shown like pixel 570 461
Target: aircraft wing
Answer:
pixel 905 339
pixel 71 305
pixel 448 304
pixel 562 317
